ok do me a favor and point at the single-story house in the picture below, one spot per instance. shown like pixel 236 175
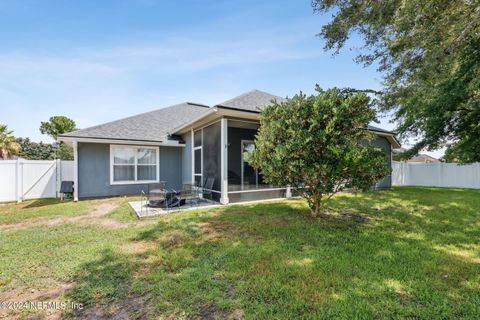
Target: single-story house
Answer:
pixel 187 142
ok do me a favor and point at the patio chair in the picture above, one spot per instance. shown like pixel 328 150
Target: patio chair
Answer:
pixel 189 192
pixel 66 188
pixel 157 194
pixel 207 187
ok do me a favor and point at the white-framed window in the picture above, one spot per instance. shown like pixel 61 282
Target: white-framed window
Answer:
pixel 133 164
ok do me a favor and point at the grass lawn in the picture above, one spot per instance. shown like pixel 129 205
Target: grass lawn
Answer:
pixel 404 253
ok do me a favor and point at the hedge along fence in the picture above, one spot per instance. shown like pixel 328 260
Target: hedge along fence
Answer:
pixel 446 175
pixel 31 179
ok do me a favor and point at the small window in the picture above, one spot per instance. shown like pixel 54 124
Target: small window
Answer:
pixel 132 164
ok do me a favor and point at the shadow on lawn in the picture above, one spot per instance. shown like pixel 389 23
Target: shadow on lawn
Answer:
pixel 273 260
pixel 105 287
pixel 447 216
pixel 46 202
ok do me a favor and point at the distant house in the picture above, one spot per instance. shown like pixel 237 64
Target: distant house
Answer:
pixel 423 158
pixel 419 158
pixel 188 142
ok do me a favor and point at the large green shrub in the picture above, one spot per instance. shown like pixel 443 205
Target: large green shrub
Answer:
pixel 318 145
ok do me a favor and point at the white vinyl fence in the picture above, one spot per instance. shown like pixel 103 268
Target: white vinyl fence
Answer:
pixel 31 179
pixel 447 175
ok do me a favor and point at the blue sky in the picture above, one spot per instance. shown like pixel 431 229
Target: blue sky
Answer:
pixel 97 61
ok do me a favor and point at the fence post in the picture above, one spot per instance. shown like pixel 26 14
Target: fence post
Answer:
pixel 477 166
pixel 58 176
pixel 288 193
pixel 19 180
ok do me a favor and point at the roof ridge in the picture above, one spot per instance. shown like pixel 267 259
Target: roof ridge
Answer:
pixel 197 104
pixel 133 116
pixel 246 94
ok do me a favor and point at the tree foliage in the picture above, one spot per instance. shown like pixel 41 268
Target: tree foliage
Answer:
pixel 318 145
pixel 31 150
pixel 429 53
pixel 57 125
pixel 8 145
pixel 64 151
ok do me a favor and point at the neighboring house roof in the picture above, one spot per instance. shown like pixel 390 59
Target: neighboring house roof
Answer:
pixel 156 126
pixel 151 126
pixel 423 158
pixel 254 100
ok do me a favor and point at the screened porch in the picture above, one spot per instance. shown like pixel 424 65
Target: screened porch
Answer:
pixel 235 180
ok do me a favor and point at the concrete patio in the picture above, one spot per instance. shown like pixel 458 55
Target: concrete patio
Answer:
pixel 143 210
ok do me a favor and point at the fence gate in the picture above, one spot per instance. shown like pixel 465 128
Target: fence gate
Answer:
pixel 32 179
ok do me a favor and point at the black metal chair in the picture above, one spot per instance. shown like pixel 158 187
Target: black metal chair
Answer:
pixel 189 193
pixel 66 187
pixel 207 188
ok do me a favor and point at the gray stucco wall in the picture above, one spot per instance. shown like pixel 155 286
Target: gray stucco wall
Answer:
pixel 94 171
pixel 383 143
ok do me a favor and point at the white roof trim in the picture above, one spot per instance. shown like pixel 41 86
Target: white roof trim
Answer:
pixel 121 141
pixel 215 112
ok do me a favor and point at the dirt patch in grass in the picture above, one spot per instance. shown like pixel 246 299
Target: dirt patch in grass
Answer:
pixel 215 230
pixel 211 311
pixel 50 294
pixel 131 307
pixel 356 217
pixel 172 238
pixel 137 247
pixel 95 217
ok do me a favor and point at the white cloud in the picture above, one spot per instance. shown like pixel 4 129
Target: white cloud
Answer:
pixel 97 84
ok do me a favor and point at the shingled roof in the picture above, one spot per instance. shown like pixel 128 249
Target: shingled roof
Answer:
pixel 254 100
pixel 156 125
pixel 151 126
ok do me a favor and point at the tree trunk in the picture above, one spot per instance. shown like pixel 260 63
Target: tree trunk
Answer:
pixel 315 212
pixel 316 208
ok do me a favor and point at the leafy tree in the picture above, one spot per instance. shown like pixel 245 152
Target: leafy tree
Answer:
pixel 44 151
pixel 35 150
pixel 318 145
pixel 57 125
pixel 64 151
pixel 8 145
pixel 429 54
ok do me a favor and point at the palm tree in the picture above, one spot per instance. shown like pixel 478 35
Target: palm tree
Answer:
pixel 8 145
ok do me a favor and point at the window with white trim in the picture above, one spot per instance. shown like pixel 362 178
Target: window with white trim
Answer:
pixel 133 164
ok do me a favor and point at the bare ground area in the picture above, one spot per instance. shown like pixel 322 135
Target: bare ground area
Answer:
pixel 96 216
pixel 52 293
